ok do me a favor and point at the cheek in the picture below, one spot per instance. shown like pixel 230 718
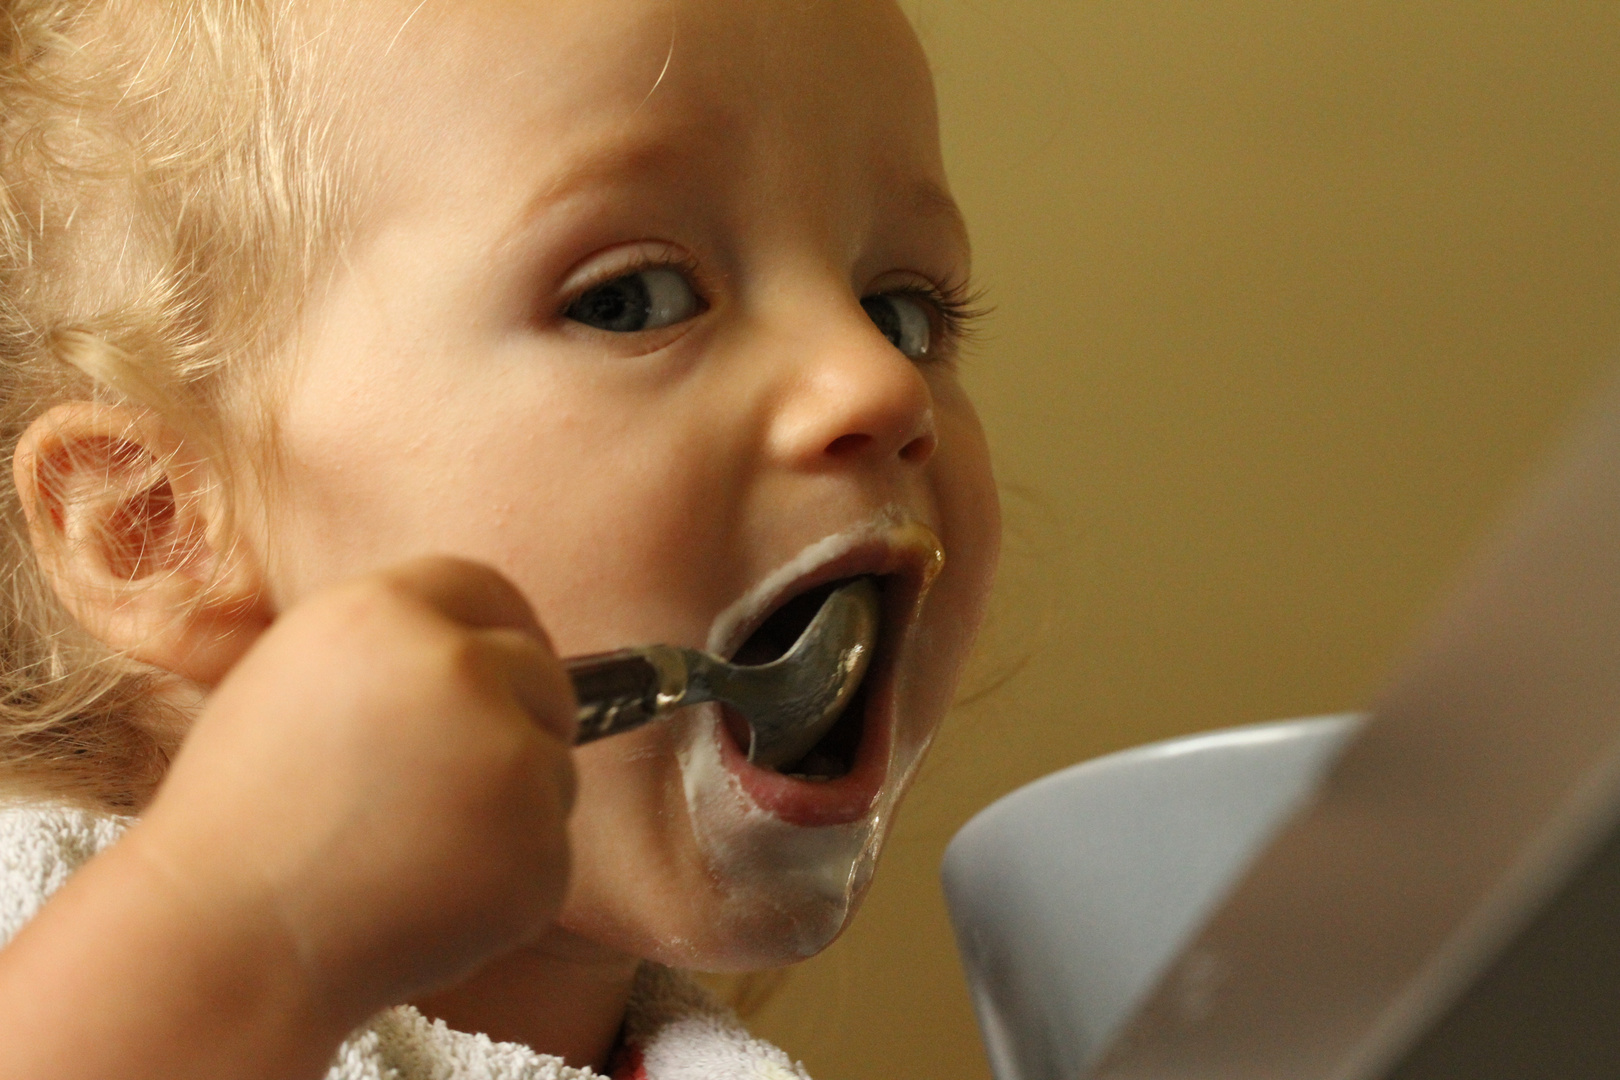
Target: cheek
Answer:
pixel 970 510
pixel 355 479
pixel 964 481
pixel 964 492
pixel 587 513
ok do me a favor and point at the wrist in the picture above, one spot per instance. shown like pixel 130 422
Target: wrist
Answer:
pixel 140 968
pixel 238 929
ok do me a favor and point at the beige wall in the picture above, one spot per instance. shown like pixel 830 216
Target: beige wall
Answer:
pixel 1289 292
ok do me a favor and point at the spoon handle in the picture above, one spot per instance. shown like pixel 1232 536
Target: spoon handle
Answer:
pixel 622 690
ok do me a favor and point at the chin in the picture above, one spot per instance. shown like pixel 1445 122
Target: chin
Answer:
pixel 776 860
pixel 786 878
pixel 789 852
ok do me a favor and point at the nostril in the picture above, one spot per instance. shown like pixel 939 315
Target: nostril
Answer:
pixel 918 450
pixel 849 445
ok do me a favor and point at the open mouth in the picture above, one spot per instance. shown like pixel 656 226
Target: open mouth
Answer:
pixel 834 755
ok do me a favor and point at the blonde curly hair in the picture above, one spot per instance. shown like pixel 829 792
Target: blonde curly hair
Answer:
pixel 168 193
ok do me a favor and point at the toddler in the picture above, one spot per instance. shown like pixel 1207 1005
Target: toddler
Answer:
pixel 363 358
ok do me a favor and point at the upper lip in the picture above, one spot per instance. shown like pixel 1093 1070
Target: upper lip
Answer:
pixel 878 555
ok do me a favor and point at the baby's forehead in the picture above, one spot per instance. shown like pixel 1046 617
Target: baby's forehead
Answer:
pixel 458 97
pixel 563 63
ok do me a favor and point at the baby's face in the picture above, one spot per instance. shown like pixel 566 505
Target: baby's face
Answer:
pixel 651 312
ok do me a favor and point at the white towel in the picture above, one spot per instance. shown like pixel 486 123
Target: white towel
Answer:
pixel 673 1030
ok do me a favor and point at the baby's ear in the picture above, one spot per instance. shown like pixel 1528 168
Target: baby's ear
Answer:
pixel 134 532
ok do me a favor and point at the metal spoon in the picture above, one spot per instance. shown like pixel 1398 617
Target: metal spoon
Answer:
pixel 788 703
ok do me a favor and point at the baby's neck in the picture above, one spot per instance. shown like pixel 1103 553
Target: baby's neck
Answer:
pixel 561 996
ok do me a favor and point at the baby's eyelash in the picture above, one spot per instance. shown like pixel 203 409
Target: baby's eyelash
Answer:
pixel 960 307
pixel 685 265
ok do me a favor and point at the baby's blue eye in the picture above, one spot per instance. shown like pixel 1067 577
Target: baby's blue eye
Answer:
pixel 645 300
pixel 904 319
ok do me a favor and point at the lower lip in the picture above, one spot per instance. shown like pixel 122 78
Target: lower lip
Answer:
pixel 813 803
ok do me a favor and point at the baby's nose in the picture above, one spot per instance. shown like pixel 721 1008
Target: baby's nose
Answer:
pixel 853 397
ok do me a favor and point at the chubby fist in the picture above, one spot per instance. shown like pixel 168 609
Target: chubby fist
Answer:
pixel 385 777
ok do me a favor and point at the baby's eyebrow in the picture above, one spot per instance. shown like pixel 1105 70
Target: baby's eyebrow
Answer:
pixel 623 159
pixel 931 200
pixel 601 165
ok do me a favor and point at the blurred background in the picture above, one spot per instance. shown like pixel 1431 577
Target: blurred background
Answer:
pixel 1290 296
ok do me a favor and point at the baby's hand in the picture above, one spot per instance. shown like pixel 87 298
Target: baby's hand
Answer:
pixel 387 776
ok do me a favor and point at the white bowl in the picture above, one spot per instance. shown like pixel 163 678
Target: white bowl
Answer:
pixel 1071 895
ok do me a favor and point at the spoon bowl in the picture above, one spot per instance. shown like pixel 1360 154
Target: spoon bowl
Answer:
pixel 788 704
